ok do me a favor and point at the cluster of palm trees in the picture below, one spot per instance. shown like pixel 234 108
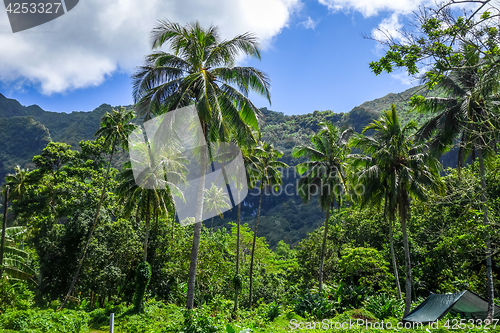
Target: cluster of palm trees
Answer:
pixel 396 169
pixel 399 163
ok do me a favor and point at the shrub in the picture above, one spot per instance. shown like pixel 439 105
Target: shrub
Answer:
pixel 314 304
pixel 198 322
pixel 273 311
pixel 384 307
pixel 355 314
pixel 39 321
pixel 346 296
pixel 156 317
pixel 14 295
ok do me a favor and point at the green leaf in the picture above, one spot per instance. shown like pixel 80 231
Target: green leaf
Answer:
pixel 485 15
pixel 230 329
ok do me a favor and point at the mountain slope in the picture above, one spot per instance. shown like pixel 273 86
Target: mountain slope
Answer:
pixel 69 128
pixel 20 139
pixel 26 130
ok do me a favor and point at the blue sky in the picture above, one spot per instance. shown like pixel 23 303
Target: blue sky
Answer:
pixel 317 60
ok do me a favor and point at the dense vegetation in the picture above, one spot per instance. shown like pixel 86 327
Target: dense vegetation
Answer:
pixel 361 228
pixel 284 132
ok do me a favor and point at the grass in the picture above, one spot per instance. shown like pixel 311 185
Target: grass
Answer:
pixel 168 318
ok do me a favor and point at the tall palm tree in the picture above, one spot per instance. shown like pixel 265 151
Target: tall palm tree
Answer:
pixel 138 199
pixel 324 173
pixel 252 160
pixel 152 200
pixel 403 167
pixel 11 258
pixel 469 112
pixel 375 189
pixel 115 129
pixel 269 169
pixel 201 70
pixel 156 197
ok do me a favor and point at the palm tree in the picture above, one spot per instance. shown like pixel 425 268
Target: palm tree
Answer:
pixel 201 70
pixel 153 199
pixel 215 201
pixel 469 112
pixel 375 189
pixel 403 168
pixel 18 182
pixel 269 171
pixel 324 173
pixel 115 129
pixel 156 197
pixel 252 160
pixel 12 258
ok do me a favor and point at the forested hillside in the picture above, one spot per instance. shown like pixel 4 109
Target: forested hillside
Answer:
pixel 277 128
pixel 283 131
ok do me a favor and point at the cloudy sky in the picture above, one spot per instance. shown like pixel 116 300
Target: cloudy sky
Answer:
pixel 313 50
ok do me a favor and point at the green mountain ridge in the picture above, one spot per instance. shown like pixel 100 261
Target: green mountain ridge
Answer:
pixel 63 127
pixel 283 131
pixel 25 130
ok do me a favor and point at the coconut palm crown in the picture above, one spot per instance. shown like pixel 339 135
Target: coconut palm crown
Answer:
pixel 201 69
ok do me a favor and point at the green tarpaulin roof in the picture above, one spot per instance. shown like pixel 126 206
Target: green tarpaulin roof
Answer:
pixel 468 304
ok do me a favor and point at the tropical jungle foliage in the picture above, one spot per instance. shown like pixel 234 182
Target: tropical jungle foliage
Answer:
pixel 364 208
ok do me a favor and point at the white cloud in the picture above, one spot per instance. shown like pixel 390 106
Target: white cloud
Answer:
pixel 388 27
pixel 309 23
pixel 405 79
pixel 97 38
pixel 373 7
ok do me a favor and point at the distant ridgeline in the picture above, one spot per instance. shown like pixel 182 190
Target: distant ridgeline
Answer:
pixel 286 132
pixel 25 131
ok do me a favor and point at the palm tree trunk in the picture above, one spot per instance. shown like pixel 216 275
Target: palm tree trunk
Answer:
pixel 391 243
pixel 197 233
pixel 238 221
pixel 323 250
pixel 403 206
pixel 75 277
pixel 4 228
pixel 146 236
pixel 253 243
pixel 194 262
pixel 173 230
pixel 157 218
pixel 489 268
pixel 137 212
pixel 393 257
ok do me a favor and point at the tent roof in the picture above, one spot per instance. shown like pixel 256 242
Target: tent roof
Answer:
pixel 436 306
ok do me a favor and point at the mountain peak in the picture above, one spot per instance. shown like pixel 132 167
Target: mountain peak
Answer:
pixel 11 108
